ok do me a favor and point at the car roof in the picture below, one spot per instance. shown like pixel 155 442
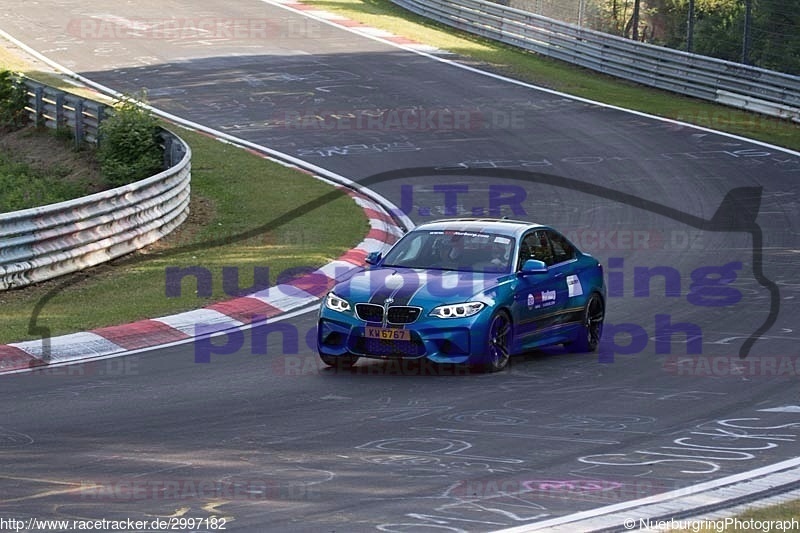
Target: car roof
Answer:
pixel 481 225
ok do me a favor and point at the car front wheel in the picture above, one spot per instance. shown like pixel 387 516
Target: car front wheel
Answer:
pixel 498 347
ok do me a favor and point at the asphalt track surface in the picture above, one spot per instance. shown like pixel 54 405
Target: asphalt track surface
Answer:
pixel 273 442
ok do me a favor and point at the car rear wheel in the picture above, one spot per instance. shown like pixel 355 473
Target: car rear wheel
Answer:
pixel 588 338
pixel 339 361
pixel 498 347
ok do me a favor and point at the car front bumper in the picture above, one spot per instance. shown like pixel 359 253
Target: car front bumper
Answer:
pixel 458 340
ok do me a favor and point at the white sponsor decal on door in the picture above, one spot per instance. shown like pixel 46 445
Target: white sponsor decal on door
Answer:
pixel 574 286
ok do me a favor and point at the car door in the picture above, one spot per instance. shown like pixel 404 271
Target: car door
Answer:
pixel 539 299
pixel 564 268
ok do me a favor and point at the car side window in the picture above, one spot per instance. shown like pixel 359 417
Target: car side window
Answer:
pixel 535 245
pixel 524 250
pixel 541 248
pixel 562 248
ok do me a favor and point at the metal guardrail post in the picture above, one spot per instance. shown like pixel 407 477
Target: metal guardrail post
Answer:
pixel 61 121
pixel 79 125
pixel 168 150
pixel 38 106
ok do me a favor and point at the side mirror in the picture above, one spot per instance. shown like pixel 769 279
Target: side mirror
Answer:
pixel 533 266
pixel 373 258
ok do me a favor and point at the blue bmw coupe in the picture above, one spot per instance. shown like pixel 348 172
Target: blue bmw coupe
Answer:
pixel 471 291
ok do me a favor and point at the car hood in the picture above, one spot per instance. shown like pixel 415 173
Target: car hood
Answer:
pixel 418 287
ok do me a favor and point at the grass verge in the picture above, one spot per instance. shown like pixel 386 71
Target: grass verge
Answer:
pixel 557 75
pixel 246 212
pixel 24 185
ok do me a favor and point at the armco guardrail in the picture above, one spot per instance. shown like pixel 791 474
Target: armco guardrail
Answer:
pixel 56 109
pixel 44 242
pixel 733 84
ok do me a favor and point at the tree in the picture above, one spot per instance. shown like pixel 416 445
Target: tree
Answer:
pixel 719 27
pixel 775 35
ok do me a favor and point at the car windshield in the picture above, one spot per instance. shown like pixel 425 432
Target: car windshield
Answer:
pixel 464 251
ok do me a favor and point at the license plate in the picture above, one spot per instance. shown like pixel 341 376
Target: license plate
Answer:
pixel 389 334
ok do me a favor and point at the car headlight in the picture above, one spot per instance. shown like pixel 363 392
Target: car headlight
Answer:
pixel 458 310
pixel 334 303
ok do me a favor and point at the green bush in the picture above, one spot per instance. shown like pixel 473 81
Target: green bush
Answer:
pixel 13 98
pixel 129 144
